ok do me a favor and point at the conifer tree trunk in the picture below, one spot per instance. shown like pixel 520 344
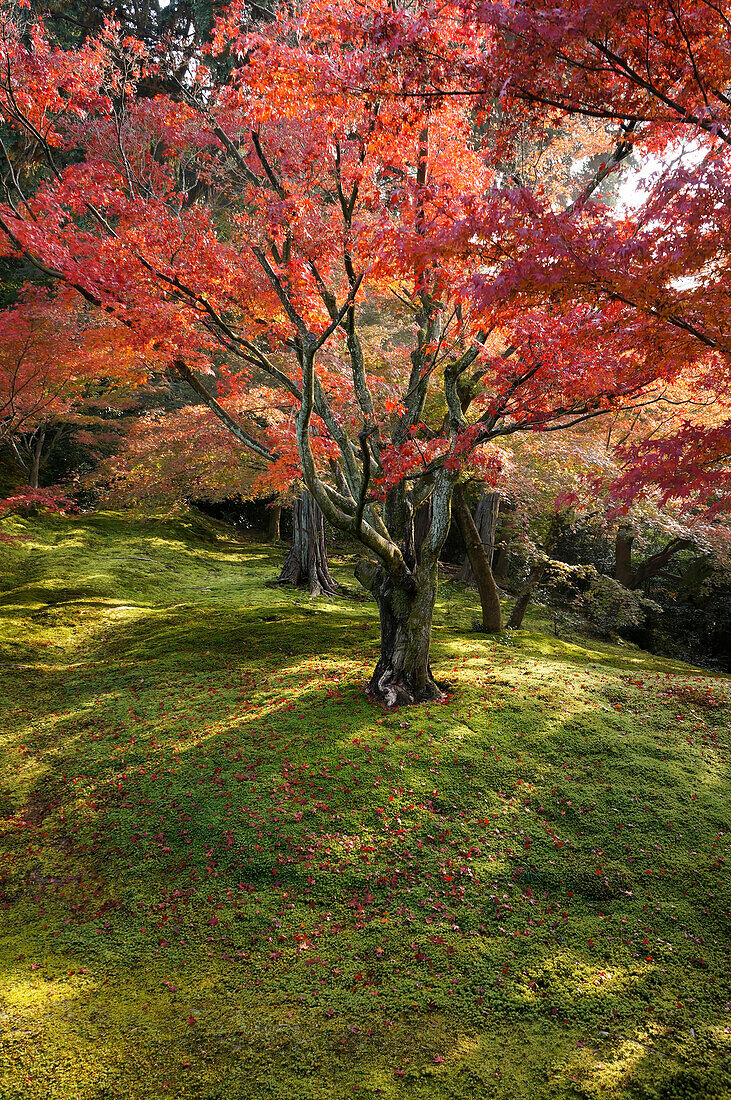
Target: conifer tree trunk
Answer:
pixel 306 563
pixel 485 520
pixel 477 554
pixel 500 561
pixel 35 464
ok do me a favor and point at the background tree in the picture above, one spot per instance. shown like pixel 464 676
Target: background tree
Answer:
pixel 565 494
pixel 306 563
pixel 61 376
pixel 479 539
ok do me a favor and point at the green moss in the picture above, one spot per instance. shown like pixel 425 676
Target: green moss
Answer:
pixel 225 874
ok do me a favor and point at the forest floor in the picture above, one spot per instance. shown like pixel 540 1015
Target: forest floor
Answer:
pixel 225 874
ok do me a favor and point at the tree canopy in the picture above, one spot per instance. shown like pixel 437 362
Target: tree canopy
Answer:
pixel 375 243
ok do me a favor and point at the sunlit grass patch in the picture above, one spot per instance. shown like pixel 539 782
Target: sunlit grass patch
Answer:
pixel 226 874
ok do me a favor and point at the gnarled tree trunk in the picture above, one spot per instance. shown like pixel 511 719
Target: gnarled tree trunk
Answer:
pixel 405 596
pixel 403 674
pixel 478 557
pixel 306 563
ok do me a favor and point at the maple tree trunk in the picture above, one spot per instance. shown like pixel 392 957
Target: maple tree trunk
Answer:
pixel 275 519
pixel 422 523
pixel 477 554
pixel 403 674
pixel 306 563
pixel 406 594
pixel 521 604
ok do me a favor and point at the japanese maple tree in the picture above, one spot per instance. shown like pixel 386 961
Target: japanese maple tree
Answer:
pixel 58 368
pixel 262 223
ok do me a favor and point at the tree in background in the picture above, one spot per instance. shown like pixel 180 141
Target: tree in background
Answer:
pixel 565 493
pixel 306 563
pixel 59 373
pixel 171 458
pixel 478 535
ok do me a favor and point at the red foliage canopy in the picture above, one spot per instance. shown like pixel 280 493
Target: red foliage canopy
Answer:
pixel 381 244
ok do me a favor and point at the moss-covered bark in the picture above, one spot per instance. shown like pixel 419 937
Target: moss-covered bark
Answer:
pixel 403 674
pixel 405 598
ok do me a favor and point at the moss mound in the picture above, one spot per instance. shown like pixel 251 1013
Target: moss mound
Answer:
pixel 225 874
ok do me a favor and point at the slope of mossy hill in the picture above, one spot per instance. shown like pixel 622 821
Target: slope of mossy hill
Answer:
pixel 225 874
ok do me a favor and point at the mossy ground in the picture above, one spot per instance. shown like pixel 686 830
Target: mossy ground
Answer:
pixel 225 874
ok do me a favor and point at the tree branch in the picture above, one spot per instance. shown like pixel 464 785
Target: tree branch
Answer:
pixel 233 426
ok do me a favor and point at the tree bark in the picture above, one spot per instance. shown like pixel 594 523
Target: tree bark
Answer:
pixel 485 520
pixel 500 562
pixel 623 556
pixel 521 604
pixel 656 563
pixel 479 559
pixel 306 563
pixel 650 567
pixel 403 674
pixel 503 538
pixel 36 452
pixel 405 596
pixel 275 517
pixel 422 522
